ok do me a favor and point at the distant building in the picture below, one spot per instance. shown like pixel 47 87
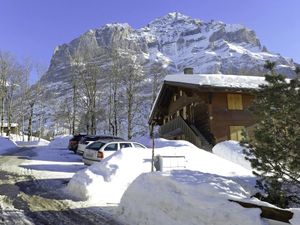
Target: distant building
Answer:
pixel 14 128
pixel 205 108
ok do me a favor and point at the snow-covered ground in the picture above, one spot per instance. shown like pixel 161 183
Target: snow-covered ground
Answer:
pixel 54 159
pixel 14 141
pixel 195 191
pixel 48 160
pixel 60 141
pixel 6 145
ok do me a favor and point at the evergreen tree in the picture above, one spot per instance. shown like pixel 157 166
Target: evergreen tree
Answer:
pixel 275 147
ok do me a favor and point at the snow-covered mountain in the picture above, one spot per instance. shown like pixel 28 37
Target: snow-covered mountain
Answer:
pixel 176 41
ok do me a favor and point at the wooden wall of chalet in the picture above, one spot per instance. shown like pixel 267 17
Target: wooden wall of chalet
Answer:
pixel 207 111
pixel 222 118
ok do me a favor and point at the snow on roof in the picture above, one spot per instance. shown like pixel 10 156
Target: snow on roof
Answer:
pixel 218 80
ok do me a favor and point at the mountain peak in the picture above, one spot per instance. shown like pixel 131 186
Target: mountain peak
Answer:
pixel 171 18
pixel 176 16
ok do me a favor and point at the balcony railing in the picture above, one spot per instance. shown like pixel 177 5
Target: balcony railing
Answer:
pixel 179 126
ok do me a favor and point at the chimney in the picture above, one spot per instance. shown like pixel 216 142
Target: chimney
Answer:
pixel 188 70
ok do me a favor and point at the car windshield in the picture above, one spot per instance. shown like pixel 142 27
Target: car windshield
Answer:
pixel 137 145
pixel 95 145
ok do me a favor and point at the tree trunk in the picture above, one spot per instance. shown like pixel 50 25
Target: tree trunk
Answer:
pixel 74 108
pixel 129 112
pixel 93 116
pixel 2 115
pixel 30 122
pixel 9 116
pixel 115 112
pixel 23 124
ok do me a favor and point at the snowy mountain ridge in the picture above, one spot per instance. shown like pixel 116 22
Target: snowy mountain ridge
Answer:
pixel 174 41
pixel 179 41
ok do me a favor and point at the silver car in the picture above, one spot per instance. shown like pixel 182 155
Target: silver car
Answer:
pixel 99 150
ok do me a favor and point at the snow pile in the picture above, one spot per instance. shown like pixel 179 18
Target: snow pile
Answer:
pixel 296 217
pixel 21 140
pixel 232 151
pixel 60 141
pixel 185 197
pixel 161 142
pixel 6 144
pixel 106 181
pixel 40 142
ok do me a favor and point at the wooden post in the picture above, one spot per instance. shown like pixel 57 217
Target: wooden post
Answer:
pixel 152 136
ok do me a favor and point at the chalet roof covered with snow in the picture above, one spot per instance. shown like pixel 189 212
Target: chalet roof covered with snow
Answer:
pixel 217 80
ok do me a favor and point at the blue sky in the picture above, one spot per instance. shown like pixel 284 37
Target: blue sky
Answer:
pixel 32 28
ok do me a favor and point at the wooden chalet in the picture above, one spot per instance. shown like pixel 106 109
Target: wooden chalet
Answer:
pixel 204 108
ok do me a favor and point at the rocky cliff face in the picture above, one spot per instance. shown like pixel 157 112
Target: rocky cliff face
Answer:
pixel 177 41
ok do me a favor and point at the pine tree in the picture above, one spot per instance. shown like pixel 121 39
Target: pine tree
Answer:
pixel 275 147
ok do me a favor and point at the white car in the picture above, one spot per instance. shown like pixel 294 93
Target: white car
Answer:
pixel 99 150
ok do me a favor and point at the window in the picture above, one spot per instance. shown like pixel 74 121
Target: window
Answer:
pixel 136 145
pixel 236 132
pixel 125 145
pixel 234 101
pixel 111 147
pixel 95 146
pixel 174 98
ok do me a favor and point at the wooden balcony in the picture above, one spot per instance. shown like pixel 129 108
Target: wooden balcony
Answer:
pixel 178 126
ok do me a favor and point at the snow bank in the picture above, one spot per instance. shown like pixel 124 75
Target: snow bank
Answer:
pixel 35 141
pixel 106 181
pixel 6 144
pixel 296 218
pixel 41 142
pixel 232 151
pixel 185 197
pixel 61 141
pixel 161 142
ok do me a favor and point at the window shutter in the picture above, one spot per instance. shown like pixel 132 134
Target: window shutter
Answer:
pixel 234 101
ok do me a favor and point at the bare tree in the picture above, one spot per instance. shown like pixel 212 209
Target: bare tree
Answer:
pixel 35 97
pixel 114 90
pixel 90 73
pixel 27 69
pixel 10 82
pixel 77 70
pixel 4 72
pixel 14 81
pixel 132 81
pixel 158 72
